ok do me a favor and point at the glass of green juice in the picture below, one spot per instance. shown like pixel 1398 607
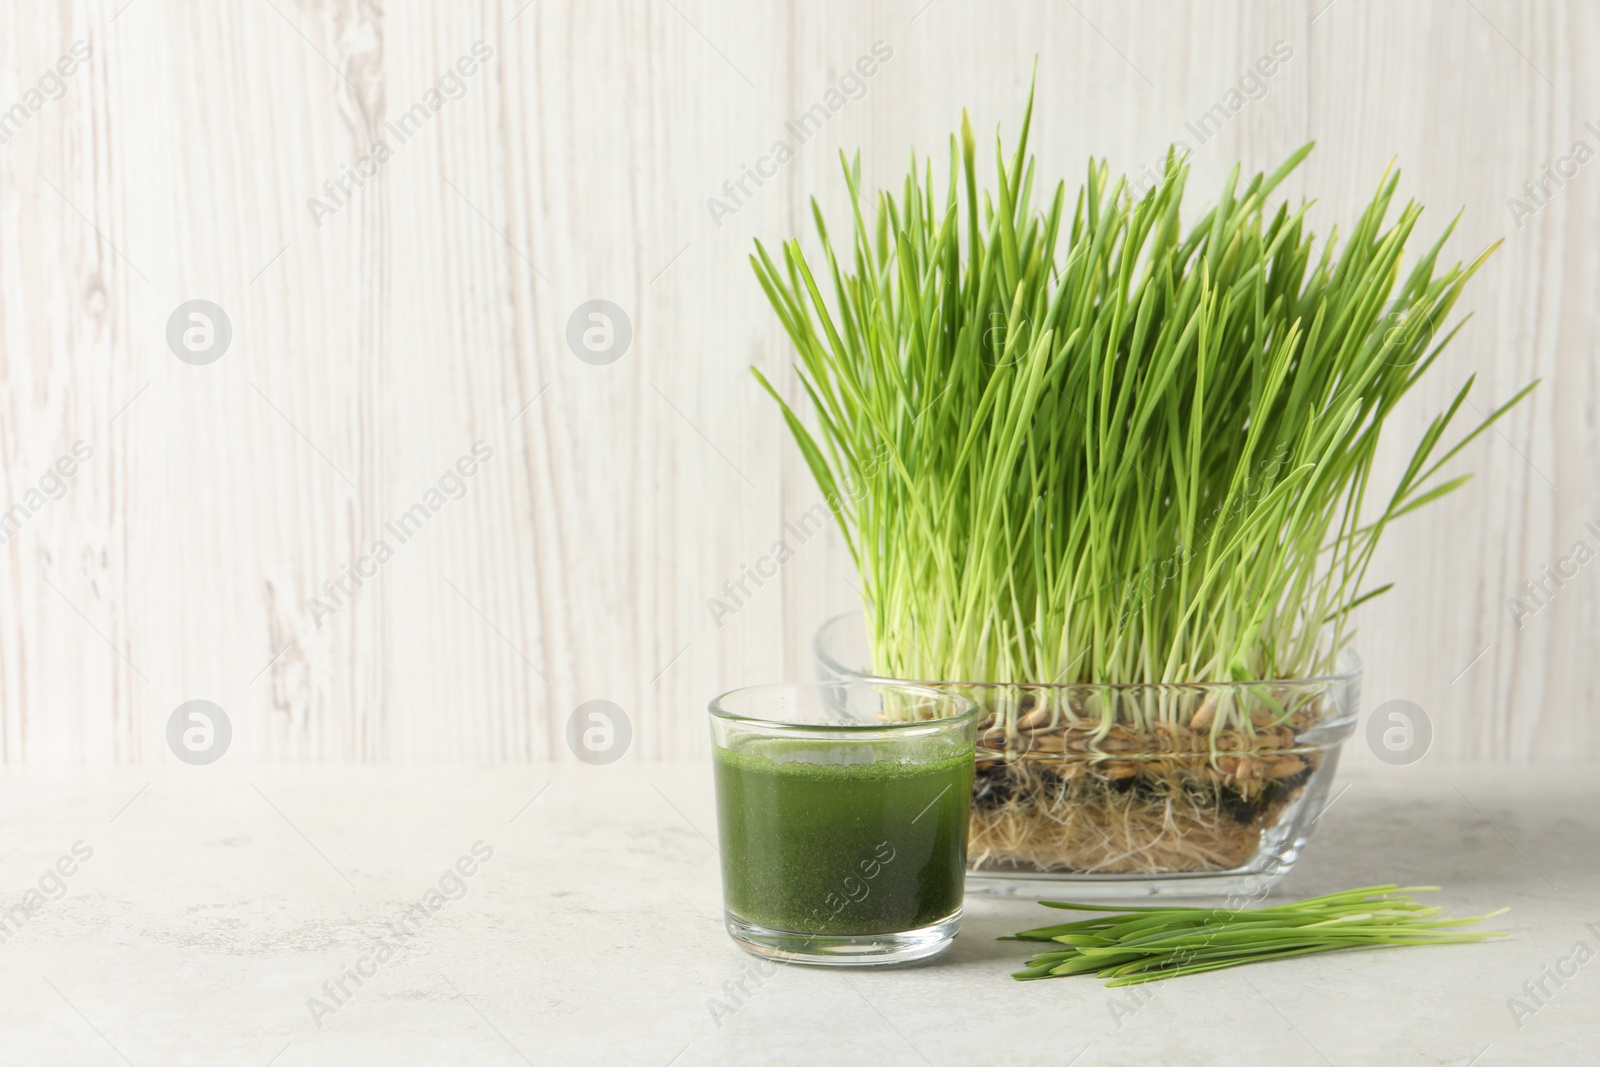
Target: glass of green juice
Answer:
pixel 842 812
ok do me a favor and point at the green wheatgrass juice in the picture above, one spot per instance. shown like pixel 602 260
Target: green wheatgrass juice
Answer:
pixel 854 837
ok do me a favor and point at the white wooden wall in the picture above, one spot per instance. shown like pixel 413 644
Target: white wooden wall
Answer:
pixel 372 350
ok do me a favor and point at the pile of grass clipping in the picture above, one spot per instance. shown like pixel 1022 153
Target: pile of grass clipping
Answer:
pixel 1149 944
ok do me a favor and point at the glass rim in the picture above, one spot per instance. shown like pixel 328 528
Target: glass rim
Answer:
pixel 1349 668
pixel 969 707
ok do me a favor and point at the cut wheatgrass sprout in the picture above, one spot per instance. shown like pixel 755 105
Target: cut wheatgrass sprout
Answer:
pixel 1148 944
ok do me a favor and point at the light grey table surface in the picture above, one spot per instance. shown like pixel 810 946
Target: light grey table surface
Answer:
pixel 218 901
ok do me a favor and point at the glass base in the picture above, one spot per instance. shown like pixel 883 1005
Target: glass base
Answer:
pixel 1239 885
pixel 844 950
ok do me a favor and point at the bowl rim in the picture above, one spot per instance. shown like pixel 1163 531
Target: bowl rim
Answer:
pixel 1349 670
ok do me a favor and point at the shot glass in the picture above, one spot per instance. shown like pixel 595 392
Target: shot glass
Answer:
pixel 842 811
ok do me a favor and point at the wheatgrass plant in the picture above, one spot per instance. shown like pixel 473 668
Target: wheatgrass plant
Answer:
pixel 1084 443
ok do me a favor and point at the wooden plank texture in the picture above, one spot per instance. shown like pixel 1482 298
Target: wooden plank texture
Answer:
pixel 541 155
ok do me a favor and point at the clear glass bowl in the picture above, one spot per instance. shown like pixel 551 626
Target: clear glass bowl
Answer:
pixel 1181 790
